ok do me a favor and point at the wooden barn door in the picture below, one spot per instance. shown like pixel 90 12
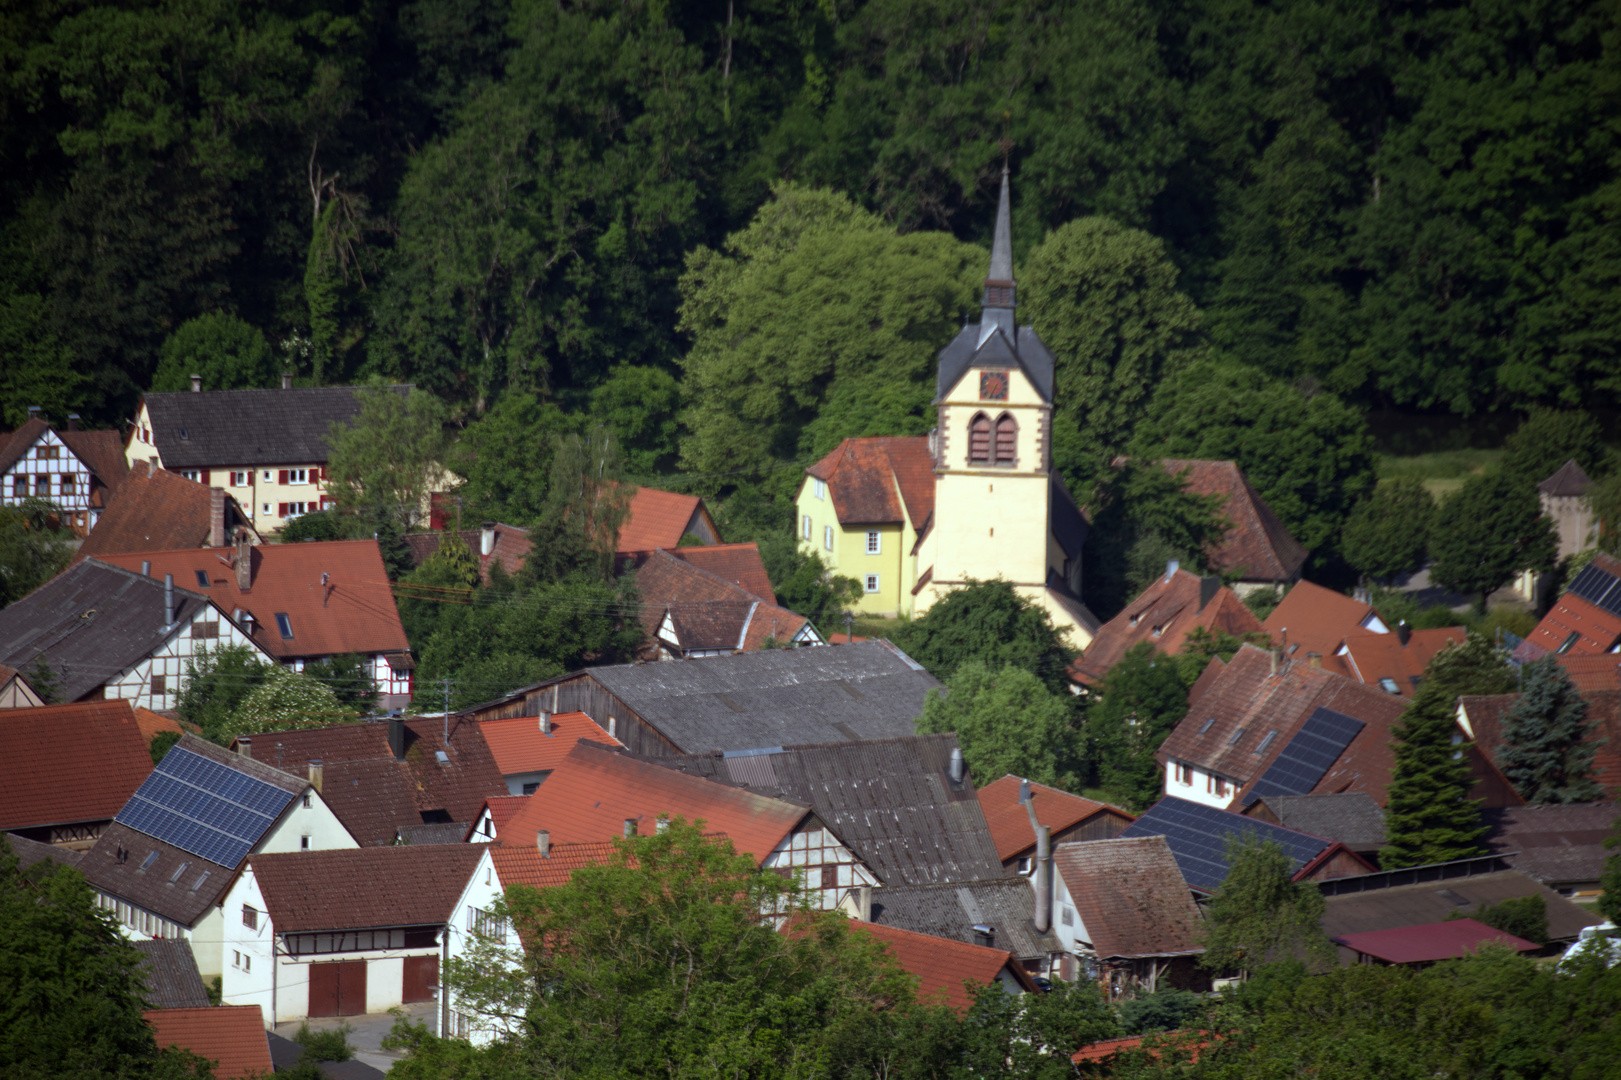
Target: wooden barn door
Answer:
pixel 351 987
pixel 421 976
pixel 324 989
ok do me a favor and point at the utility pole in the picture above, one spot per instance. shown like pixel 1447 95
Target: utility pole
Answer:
pixel 447 710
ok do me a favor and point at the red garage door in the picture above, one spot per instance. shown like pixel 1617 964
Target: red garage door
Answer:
pixel 421 976
pixel 338 989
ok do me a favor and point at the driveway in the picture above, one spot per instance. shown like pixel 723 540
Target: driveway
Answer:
pixel 369 1031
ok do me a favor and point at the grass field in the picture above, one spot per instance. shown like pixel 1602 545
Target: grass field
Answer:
pixel 1442 472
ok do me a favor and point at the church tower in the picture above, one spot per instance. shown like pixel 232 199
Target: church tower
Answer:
pixel 996 497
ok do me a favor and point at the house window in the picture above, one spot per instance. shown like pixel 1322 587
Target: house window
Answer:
pixel 19 487
pixel 202 578
pixel 874 541
pixel 1238 734
pixel 159 685
pixel 250 916
pixel 827 537
pixel 979 440
pixel 1007 439
pixel 205 628
pixel 42 485
pixel 1069 916
pixel 266 509
pixel 309 801
pixel 47 453
pixel 146 864
pixel 191 474
pixel 531 788
pixel 1575 636
pixel 267 476
pixel 1216 786
pixel 820 488
pixel 241 479
pixel 1389 686
pixel 68 483
pixel 872 582
pixel 1024 864
pixel 303 843
pixel 486 924
pixel 285 625
pixel 805 526
pixel 247 962
pixel 302 476
pixel 1184 774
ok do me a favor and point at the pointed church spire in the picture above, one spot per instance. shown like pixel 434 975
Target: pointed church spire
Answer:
pixel 997 303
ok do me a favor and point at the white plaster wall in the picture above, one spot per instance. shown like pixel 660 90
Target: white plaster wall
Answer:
pixel 169 659
pixel 32 466
pixel 482 892
pixel 516 781
pixel 317 821
pixel 810 849
pixel 385 982
pixel 253 983
pixel 1199 790
pixel 1072 934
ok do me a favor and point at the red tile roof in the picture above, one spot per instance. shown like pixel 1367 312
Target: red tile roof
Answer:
pixel 1486 715
pixel 69 763
pixel 509 549
pixel 594 790
pixel 706 611
pixel 1163 616
pixel 374 795
pixel 1431 941
pixel 942 965
pixel 363 888
pixel 657 519
pixel 1590 673
pixel 1106 1049
pixel 1246 697
pixel 519 746
pixel 1371 658
pixel 1130 897
pixel 874 481
pixel 353 612
pixel 502 808
pixel 152 723
pixel 102 453
pixel 1257 545
pixel 521 864
pixel 1317 620
pixel 1010 823
pixel 233 1036
pixel 1589 628
pixel 739 564
pixel 157 510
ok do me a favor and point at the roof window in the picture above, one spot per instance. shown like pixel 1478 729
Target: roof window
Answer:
pixel 1389 686
pixel 181 869
pixel 1239 734
pixel 204 876
pixel 150 859
pixel 1575 636
pixel 1266 742
pixel 202 579
pixel 1208 724
pixel 285 625
pixel 184 434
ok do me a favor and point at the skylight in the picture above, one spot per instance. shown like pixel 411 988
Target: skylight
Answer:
pixel 181 869
pixel 1266 742
pixel 1239 734
pixel 1208 724
pixel 1389 686
pixel 285 625
pixel 202 579
pixel 150 859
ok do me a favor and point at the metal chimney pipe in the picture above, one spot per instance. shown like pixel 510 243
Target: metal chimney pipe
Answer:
pixel 196 384
pixel 168 601
pixel 957 768
pixel 1171 567
pixel 146 567
pixel 486 538
pixel 286 380
pixel 1044 879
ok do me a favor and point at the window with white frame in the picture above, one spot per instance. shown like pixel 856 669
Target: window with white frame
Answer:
pixel 241 478
pixel 875 542
pixel 267 476
pixel 820 488
pixel 302 476
pixel 267 508
pixel 827 537
pixel 872 582
pixel 68 483
pixel 191 474
pixel 805 526
pixel 250 916
pixel 487 925
pixel 1184 774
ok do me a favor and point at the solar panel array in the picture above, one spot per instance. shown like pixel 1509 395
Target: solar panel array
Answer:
pixel 1308 757
pixel 204 807
pixel 1197 836
pixel 1598 587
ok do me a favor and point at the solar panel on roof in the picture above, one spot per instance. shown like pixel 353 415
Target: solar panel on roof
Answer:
pixel 1308 756
pixel 203 807
pixel 1197 836
pixel 1598 587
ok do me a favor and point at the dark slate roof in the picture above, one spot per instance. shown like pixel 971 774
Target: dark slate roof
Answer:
pixel 29 852
pixel 775 697
pixel 1568 479
pixel 221 428
pixel 1026 351
pixel 1427 901
pixel 170 971
pixel 1069 524
pixel 90 623
pixel 1198 838
pixel 890 800
pixel 1554 844
pixel 1006 904
pixel 1353 818
pixel 440 832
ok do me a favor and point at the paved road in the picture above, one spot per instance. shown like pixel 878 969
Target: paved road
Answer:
pixel 369 1030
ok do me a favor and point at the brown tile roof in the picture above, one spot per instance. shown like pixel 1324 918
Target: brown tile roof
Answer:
pixel 1556 845
pixel 102 453
pixel 1372 658
pixel 231 1036
pixel 941 965
pixel 519 746
pixel 1257 543
pixel 1163 616
pixel 1130 896
pixel 365 888
pixel 873 481
pixel 352 612
pixel 521 864
pixel 594 790
pixel 1568 479
pixel 374 795
pixel 152 723
pixel 14 444
pixel 69 763
pixel 1225 728
pixel 707 611
pixel 657 519
pixel 1591 673
pixel 1059 810
pixel 1317 620
pixel 510 549
pixel 1212 671
pixel 157 510
pixel 739 564
pixel 1486 715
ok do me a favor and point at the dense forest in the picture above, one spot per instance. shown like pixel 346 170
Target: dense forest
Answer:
pixel 735 233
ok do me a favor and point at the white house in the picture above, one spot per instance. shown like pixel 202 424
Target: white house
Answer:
pixel 164 865
pixel 344 933
pixel 72 469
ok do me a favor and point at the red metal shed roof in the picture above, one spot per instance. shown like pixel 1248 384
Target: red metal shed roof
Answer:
pixel 1431 941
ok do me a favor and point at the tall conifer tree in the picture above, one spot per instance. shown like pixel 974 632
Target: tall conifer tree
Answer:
pixel 1429 817
pixel 1545 752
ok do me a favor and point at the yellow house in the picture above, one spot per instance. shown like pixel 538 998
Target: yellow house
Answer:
pixel 977 498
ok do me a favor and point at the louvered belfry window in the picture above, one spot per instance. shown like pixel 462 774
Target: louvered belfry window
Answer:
pixel 1007 439
pixel 979 439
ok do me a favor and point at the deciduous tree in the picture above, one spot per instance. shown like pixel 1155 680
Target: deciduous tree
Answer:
pixel 1388 533
pixel 1139 702
pixel 987 621
pixel 1488 531
pixel 228 353
pixel 387 460
pixel 1007 722
pixel 1259 916
pixel 1476 665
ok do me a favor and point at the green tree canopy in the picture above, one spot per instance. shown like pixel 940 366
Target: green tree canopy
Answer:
pixel 986 621
pixel 1259 916
pixel 506 457
pixel 1548 438
pixel 34 547
pixel 1141 519
pixel 1547 751
pixel 1139 703
pixel 775 373
pixel 1388 532
pixel 388 458
pixel 228 353
pixel 1007 723
pixel 1476 665
pixel 216 683
pixel 1487 532
pixel 1429 817
pixel 285 701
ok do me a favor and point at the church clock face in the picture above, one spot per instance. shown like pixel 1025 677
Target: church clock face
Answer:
pixel 992 386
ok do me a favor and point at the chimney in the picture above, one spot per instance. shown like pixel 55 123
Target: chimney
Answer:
pixel 33 412
pixel 396 737
pixel 545 722
pixel 984 935
pixel 1314 659
pixel 73 421
pixel 196 384
pixel 1209 586
pixel 168 601
pixel 630 826
pixel 244 745
pixel 146 567
pixel 1044 879
pixel 864 903
pixel 216 517
pixel 286 380
pixel 486 539
pixel 244 561
pixel 1024 792
pixel 1277 659
pixel 316 773
pixel 957 769
pixel 1171 567
pixel 543 843
pixel 1403 632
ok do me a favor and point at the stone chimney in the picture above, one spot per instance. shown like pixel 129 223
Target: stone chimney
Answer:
pixel 244 745
pixel 286 380
pixel 244 562
pixel 1209 586
pixel 73 421
pixel 33 412
pixel 396 737
pixel 863 899
pixel 545 722
pixel 216 517
pixel 543 843
pixel 317 773
pixel 196 384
